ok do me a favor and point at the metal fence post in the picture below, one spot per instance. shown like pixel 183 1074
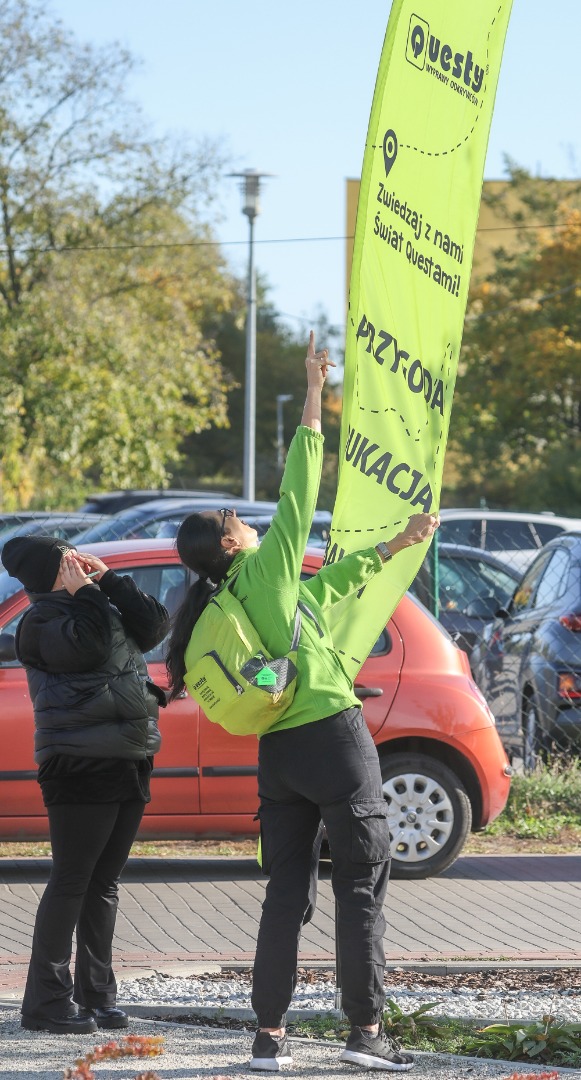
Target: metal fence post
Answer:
pixel 434 565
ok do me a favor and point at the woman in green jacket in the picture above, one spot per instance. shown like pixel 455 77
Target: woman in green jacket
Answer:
pixel 318 763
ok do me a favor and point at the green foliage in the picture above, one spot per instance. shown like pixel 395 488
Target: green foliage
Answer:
pixel 408 1026
pixel 104 365
pixel 546 1040
pixel 543 802
pixel 412 1029
pixel 554 788
pixel 515 436
pixel 279 370
pixel 543 1041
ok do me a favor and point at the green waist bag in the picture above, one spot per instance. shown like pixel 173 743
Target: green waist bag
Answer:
pixel 236 682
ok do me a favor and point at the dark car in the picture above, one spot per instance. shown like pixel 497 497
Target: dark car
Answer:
pixel 320 526
pixel 472 585
pixel 112 502
pixel 16 518
pixel 65 525
pixel 162 518
pixel 528 661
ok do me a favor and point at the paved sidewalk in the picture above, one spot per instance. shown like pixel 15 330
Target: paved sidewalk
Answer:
pixel 182 911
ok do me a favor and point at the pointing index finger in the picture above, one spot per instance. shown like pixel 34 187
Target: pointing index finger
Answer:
pixel 311 346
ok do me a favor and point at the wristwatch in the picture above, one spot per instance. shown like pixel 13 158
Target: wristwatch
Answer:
pixel 383 551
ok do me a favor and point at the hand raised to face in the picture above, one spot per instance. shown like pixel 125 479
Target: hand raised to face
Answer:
pixel 71 575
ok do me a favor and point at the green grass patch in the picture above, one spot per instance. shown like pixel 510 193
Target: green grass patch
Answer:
pixel 546 1041
pixel 542 803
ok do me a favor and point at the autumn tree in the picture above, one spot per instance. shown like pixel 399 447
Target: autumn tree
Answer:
pixel 107 274
pixel 516 427
pixel 217 455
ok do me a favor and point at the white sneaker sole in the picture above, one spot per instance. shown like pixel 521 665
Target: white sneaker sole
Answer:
pixel 368 1061
pixel 270 1064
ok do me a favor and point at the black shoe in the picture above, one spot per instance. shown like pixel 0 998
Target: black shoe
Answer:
pixel 65 1025
pixel 375 1051
pixel 269 1052
pixel 107 1018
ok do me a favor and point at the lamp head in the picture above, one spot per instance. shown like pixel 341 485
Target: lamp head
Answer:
pixel 250 188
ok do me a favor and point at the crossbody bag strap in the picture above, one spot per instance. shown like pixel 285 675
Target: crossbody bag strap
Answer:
pixel 297 627
pixel 297 631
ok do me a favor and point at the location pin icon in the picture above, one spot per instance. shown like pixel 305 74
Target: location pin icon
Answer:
pixel 389 149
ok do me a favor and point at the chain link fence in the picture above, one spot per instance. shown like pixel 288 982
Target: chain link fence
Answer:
pixel 508 590
pixel 506 587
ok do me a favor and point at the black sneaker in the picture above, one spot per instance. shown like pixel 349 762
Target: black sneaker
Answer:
pixel 375 1051
pixel 269 1052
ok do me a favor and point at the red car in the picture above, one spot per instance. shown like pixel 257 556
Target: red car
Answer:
pixel 445 771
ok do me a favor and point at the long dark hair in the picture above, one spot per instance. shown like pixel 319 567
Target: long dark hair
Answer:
pixel 199 548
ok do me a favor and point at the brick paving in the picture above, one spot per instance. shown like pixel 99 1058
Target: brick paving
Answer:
pixel 175 912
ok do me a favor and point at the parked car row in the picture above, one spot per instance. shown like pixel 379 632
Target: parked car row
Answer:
pixel 528 659
pixel 515 538
pixel 471 585
pixel 162 518
pixel 522 634
pixel 444 769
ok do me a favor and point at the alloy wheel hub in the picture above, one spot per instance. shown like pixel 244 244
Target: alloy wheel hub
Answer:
pixel 420 816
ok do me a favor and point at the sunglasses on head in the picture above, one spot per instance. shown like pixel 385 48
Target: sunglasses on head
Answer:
pixel 226 513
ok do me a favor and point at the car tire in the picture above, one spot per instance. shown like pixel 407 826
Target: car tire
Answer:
pixel 534 749
pixel 430 814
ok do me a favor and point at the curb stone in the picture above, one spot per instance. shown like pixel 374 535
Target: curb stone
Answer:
pixel 234 1012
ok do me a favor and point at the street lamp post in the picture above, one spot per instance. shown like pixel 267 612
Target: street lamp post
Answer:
pixel 280 400
pixel 250 186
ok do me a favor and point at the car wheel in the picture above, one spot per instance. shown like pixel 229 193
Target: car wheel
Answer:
pixel 429 816
pixel 532 736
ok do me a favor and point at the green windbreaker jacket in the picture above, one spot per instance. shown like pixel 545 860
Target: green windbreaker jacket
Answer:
pixel 268 586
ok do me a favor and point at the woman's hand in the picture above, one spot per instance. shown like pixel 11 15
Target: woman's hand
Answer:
pixel 317 364
pixel 420 527
pixel 72 575
pixel 92 565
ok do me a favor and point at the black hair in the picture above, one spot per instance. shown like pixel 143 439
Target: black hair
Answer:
pixel 199 548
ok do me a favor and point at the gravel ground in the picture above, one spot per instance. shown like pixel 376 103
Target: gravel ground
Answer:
pixel 482 995
pixel 202 1054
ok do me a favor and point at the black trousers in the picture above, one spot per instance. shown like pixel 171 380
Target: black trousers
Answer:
pixel 328 771
pixel 90 846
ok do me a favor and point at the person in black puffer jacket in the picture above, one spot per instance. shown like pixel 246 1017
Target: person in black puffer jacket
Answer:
pixel 95 710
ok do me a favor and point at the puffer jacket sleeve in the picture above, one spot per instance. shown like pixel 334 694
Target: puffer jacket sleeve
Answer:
pixel 76 640
pixel 143 617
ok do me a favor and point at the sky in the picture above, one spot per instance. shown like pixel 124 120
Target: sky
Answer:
pixel 287 89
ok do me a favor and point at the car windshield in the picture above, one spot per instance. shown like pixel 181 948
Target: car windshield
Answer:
pixel 464 580
pixel 118 527
pixel 8 586
pixel 65 528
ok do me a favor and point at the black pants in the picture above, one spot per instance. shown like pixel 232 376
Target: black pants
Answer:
pixel 328 770
pixel 90 846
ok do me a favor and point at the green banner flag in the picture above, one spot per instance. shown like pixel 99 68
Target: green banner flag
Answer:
pixel 416 221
